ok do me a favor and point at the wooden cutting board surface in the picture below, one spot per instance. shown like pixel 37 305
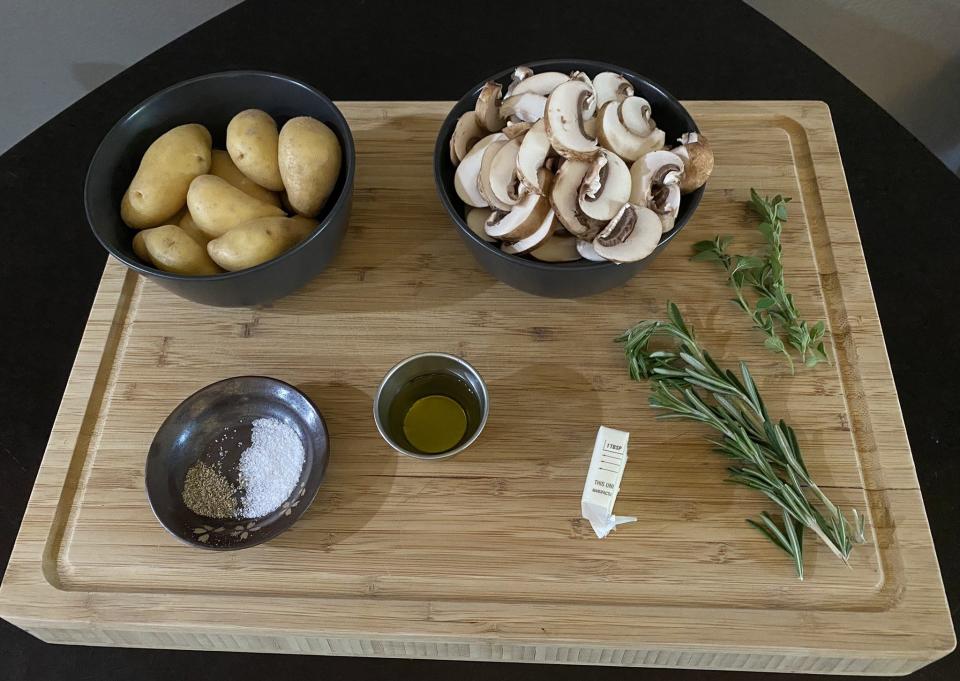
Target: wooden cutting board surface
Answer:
pixel 488 550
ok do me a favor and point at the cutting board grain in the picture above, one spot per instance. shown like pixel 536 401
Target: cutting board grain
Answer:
pixel 484 556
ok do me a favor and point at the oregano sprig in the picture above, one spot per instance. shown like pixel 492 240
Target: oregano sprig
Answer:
pixel 774 306
pixel 686 383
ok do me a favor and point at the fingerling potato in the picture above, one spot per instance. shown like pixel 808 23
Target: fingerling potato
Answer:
pixel 258 240
pixel 140 247
pixel 223 166
pixel 159 187
pixel 216 205
pixel 252 140
pixel 172 250
pixel 309 156
pixel 187 224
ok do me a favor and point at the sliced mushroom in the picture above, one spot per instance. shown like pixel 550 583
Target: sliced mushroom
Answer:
pixel 515 129
pixel 533 156
pixel 557 249
pixel 611 87
pixel 634 113
pixel 585 249
pixel 543 232
pixel 465 180
pixel 485 177
pixel 697 161
pixel 582 77
pixel 540 84
pixel 565 199
pixel 616 137
pixel 605 187
pixel 527 107
pixel 568 107
pixel 476 218
pixel 503 175
pixel 466 133
pixel 520 74
pixel 488 107
pixel 632 235
pixel 520 222
pixel 656 184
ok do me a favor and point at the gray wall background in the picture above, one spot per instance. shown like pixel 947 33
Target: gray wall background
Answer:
pixel 903 53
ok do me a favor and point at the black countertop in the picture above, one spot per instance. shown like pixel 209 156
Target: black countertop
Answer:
pixel 907 205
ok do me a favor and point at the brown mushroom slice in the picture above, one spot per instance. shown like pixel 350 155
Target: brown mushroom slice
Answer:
pixel 615 136
pixel 520 74
pixel 656 184
pixel 466 133
pixel 527 107
pixel 697 161
pixel 540 83
pixel 557 249
pixel 520 222
pixel 465 180
pixel 476 219
pixel 605 187
pixel 488 107
pixel 532 156
pixel 542 233
pixel 611 87
pixel 503 175
pixel 632 235
pixel 565 199
pixel 634 113
pixel 484 177
pixel 586 250
pixel 516 129
pixel 568 107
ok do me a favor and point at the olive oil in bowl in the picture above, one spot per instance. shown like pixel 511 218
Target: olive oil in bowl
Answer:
pixel 431 406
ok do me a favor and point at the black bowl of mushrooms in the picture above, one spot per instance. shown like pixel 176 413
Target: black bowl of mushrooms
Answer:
pixel 567 177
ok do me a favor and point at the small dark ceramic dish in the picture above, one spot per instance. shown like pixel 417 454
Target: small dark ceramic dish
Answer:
pixel 213 100
pixel 218 419
pixel 560 280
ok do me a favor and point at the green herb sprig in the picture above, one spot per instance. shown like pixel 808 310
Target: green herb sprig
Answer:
pixel 765 454
pixel 764 275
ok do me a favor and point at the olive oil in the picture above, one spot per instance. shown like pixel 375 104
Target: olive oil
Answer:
pixel 434 413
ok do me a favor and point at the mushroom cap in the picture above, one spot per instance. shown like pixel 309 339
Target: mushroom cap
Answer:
pixel 611 87
pixel 476 218
pixel 565 199
pixel 557 248
pixel 520 222
pixel 503 175
pixel 606 187
pixel 488 107
pixel 697 156
pixel 616 137
pixel 465 180
pixel 543 232
pixel 527 107
pixel 466 133
pixel 635 113
pixel 532 156
pixel 540 83
pixel 484 177
pixel 568 107
pixel 632 235
pixel 656 184
pixel 586 250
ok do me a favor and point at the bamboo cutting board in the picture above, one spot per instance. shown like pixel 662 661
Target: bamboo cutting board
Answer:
pixel 484 556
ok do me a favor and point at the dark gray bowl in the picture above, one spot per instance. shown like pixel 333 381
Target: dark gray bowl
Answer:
pixel 203 424
pixel 560 280
pixel 213 100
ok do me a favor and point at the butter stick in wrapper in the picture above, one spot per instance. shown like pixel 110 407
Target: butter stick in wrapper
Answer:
pixel 603 481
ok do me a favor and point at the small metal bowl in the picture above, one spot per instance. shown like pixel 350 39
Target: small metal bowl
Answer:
pixel 196 430
pixel 418 366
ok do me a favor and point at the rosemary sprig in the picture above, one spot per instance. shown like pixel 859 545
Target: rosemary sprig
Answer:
pixel 764 275
pixel 765 454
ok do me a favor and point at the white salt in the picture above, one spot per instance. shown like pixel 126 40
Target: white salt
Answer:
pixel 270 467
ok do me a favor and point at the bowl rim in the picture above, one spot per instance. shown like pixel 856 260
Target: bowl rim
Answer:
pixel 308 499
pixel 349 152
pixel 441 144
